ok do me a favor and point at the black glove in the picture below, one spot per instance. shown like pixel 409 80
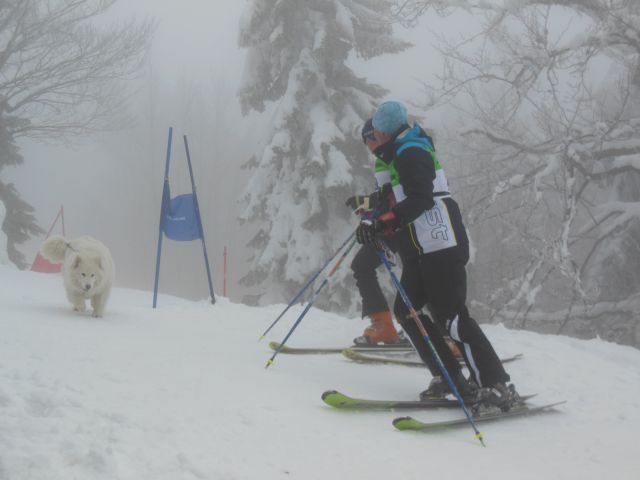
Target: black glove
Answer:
pixel 368 231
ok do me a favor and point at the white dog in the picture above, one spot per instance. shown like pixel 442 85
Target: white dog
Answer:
pixel 87 270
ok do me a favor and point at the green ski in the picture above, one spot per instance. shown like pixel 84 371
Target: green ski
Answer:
pixel 340 400
pixel 409 423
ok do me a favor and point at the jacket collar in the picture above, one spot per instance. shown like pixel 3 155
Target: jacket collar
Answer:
pixel 387 152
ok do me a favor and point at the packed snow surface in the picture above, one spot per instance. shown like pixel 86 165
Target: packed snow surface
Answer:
pixel 181 392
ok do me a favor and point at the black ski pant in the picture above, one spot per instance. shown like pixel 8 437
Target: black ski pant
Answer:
pixel 364 266
pixel 438 280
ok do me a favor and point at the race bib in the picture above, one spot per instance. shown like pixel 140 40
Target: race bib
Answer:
pixel 434 229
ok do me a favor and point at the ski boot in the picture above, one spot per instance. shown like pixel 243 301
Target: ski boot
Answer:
pixel 439 388
pixel 499 397
pixel 381 330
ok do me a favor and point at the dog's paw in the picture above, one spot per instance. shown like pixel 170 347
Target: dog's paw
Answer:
pixel 96 314
pixel 79 308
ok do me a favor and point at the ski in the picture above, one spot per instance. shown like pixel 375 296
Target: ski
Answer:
pixel 410 423
pixel 405 348
pixel 339 400
pixel 358 356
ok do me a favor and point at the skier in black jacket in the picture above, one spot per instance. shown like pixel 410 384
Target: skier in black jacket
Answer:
pixel 433 244
pixel 366 260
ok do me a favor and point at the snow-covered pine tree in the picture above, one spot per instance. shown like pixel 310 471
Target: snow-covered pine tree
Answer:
pixel 18 222
pixel 4 242
pixel 314 158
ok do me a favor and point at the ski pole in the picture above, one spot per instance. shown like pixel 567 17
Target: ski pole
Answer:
pixel 427 339
pixel 313 298
pixel 309 283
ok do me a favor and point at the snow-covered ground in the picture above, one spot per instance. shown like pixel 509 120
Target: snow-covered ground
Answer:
pixel 181 392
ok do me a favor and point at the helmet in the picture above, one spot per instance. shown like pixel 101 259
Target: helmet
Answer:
pixel 390 117
pixel 367 131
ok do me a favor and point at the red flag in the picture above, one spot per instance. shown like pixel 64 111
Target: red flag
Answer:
pixel 41 264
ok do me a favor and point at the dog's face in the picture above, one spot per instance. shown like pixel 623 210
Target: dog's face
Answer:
pixel 86 274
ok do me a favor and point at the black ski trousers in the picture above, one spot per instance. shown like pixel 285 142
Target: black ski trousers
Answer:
pixel 364 266
pixel 438 280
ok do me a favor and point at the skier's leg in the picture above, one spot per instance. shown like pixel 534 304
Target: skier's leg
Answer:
pixel 364 266
pixel 446 279
pixel 481 358
pixel 374 303
pixel 412 283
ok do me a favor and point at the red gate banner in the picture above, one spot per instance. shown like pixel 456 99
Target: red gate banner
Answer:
pixel 41 264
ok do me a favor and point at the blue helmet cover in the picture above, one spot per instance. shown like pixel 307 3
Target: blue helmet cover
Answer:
pixel 390 117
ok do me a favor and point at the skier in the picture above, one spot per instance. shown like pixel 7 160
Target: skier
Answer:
pixel 366 261
pixel 434 248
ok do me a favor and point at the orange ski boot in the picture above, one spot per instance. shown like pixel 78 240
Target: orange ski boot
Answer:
pixel 381 330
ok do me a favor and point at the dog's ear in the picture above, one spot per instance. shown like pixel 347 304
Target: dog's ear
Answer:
pixel 99 262
pixel 76 261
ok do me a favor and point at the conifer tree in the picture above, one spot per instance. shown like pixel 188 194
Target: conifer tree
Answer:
pixel 297 71
pixel 18 222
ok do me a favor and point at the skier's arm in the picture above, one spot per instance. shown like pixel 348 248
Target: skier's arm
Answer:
pixel 416 171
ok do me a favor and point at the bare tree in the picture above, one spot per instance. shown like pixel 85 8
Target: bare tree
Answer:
pixel 60 69
pixel 551 97
pixel 61 74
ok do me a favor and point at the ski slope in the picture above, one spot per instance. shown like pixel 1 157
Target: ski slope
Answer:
pixel 181 392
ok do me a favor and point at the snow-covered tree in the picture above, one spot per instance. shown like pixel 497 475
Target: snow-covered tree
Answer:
pixel 4 256
pixel 18 222
pixel 551 127
pixel 314 159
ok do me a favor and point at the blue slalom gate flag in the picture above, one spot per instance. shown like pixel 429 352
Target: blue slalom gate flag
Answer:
pixel 180 219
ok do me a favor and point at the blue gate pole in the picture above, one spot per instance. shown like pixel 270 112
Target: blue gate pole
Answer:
pixel 162 210
pixel 197 207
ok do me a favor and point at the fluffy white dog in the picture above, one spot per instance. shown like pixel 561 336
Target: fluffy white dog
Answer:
pixel 87 270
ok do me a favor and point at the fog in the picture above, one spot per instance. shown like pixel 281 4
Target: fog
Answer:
pixel 110 184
